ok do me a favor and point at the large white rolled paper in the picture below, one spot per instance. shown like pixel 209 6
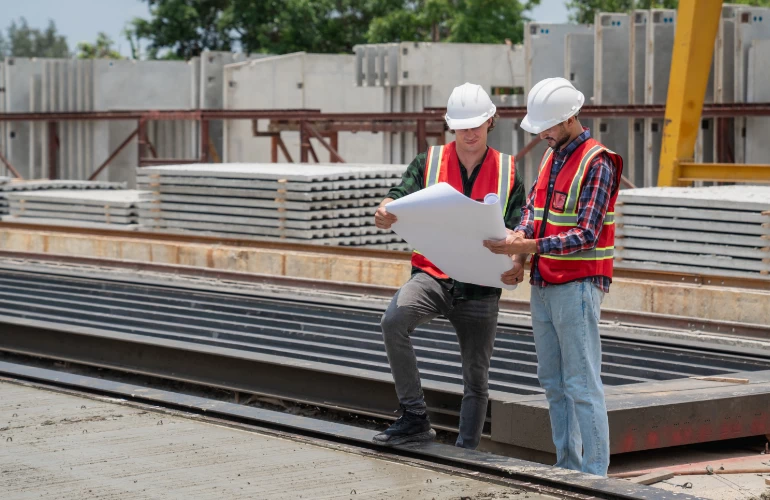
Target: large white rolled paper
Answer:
pixel 449 229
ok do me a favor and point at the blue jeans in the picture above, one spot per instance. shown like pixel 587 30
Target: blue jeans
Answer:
pixel 565 319
pixel 420 300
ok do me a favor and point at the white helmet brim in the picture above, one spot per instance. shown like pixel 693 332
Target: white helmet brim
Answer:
pixel 466 123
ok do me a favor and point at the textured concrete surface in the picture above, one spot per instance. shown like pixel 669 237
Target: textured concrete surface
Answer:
pixel 59 446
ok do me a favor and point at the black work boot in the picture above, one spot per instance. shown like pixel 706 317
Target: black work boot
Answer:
pixel 409 428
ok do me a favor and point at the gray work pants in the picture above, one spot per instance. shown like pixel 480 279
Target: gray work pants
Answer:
pixel 420 300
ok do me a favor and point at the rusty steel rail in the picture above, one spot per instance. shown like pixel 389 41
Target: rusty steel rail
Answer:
pixel 336 122
pixel 609 316
pixel 633 274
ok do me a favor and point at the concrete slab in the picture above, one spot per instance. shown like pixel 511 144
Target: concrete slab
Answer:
pixel 17 206
pixel 214 193
pixel 757 145
pixel 724 228
pixel 263 171
pixel 751 23
pixel 233 228
pixel 341 241
pixel 172 208
pixel 146 217
pixel 33 185
pixel 74 217
pixel 75 447
pixel 738 216
pixel 150 182
pixel 660 45
pixel 636 91
pixel 112 198
pixel 740 197
pixel 628 231
pixel 68 223
pixel 257 203
pixel 720 265
pixel 697 250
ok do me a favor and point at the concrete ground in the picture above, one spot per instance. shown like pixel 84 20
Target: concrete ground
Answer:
pixel 58 446
pixel 693 464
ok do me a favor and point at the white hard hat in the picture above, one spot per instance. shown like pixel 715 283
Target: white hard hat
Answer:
pixel 550 102
pixel 469 106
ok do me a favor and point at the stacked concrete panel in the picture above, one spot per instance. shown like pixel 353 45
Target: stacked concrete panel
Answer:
pixel 324 204
pixel 416 75
pixel 757 127
pixel 637 57
pixel 752 24
pixel 9 186
pixel 689 229
pixel 660 44
pixel 40 85
pixel 296 81
pixel 611 76
pixel 96 208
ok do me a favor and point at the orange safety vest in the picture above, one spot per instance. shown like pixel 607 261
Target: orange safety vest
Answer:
pixel 561 215
pixel 497 175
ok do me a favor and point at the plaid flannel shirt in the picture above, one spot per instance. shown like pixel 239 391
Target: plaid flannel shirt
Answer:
pixel 595 197
pixel 414 179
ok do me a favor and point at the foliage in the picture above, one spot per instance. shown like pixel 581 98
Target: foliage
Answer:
pixel 23 41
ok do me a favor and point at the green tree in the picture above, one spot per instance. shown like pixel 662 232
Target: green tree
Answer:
pixel 24 41
pixel 584 11
pixel 102 49
pixel 462 21
pixel 184 28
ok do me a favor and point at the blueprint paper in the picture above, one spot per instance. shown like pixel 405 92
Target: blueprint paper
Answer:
pixel 449 229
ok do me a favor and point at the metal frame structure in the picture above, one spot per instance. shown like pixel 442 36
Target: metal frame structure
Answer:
pixel 323 127
pixel 696 29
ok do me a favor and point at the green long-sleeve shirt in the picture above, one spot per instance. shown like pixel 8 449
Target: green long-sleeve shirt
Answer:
pixel 413 180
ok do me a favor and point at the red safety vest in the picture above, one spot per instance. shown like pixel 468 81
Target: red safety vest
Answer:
pixel 497 175
pixel 561 215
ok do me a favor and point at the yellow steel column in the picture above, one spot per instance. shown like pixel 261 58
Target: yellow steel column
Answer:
pixel 697 22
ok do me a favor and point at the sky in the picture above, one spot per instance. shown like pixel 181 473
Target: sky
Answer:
pixel 82 20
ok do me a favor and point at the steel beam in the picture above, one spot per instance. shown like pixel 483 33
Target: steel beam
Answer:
pixel 114 154
pixel 723 172
pixel 696 28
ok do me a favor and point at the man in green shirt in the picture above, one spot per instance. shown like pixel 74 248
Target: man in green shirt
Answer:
pixel 473 168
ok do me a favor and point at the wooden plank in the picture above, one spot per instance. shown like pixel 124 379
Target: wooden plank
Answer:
pixel 653 477
pixel 629 231
pixel 693 225
pixel 693 213
pixel 728 380
pixel 726 263
pixel 691 248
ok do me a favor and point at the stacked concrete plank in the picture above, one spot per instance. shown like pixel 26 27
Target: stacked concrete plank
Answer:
pixel 8 186
pixel 325 204
pixel 721 230
pixel 97 208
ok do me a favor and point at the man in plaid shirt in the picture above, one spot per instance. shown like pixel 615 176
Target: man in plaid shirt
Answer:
pixel 568 226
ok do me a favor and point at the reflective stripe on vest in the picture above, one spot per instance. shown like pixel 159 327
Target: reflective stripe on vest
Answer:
pixel 570 220
pixel 434 165
pixel 595 254
pixel 504 179
pixel 505 166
